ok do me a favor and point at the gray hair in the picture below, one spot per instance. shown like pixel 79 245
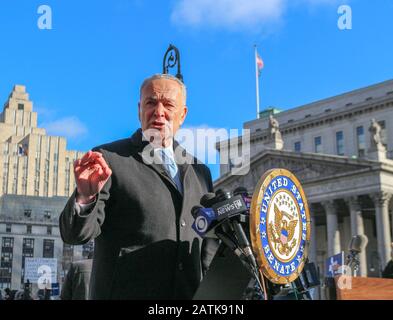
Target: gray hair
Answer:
pixel 165 76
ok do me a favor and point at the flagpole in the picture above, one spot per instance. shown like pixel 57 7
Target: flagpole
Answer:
pixel 256 80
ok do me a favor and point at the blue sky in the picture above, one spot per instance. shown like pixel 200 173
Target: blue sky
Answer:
pixel 84 74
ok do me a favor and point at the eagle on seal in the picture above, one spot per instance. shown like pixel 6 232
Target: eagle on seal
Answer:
pixel 282 231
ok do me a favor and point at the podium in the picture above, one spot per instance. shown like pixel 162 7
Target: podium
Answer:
pixel 366 289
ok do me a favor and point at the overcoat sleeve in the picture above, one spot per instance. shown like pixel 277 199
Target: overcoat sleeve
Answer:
pixel 209 245
pixel 80 226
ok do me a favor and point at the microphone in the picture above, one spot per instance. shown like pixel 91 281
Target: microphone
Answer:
pixel 223 204
pixel 195 211
pixel 358 243
pixel 206 225
pixel 217 209
pixel 240 190
pixel 246 197
pixel 205 219
pixel 244 243
pixel 230 243
pixel 208 200
pixel 217 219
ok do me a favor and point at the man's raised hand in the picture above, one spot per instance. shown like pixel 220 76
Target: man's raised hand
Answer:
pixel 91 173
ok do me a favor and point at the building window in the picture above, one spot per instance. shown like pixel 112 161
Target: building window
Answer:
pixel 67 176
pixel 6 148
pixel 27 213
pixel 49 230
pixel 27 252
pixel 15 180
pixel 48 250
pixel 28 247
pixel 8 228
pixel 47 214
pixel 28 229
pixel 55 165
pixel 8 242
pixel 5 173
pixel 37 166
pixel 318 144
pixel 46 177
pixel 298 146
pixel 340 143
pixel 360 141
pixel 21 106
pixel 7 249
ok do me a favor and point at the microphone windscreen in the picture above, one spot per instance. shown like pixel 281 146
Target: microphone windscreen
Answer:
pixel 364 241
pixel 240 190
pixel 195 210
pixel 208 200
pixel 222 195
pixel 358 243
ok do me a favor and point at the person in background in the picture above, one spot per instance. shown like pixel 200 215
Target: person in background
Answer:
pixel 8 294
pixel 77 281
pixel 388 271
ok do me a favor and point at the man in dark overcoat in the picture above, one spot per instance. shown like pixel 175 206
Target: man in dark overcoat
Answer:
pixel 134 197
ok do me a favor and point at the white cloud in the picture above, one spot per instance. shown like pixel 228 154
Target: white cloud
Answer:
pixel 70 127
pixel 200 141
pixel 226 13
pixel 234 14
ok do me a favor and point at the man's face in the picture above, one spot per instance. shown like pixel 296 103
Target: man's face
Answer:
pixel 161 107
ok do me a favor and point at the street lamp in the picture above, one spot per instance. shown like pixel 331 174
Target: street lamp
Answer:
pixel 171 61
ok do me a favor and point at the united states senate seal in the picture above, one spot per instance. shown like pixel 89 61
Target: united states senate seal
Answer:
pixel 280 226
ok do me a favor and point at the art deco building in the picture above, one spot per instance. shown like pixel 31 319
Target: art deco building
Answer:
pixel 36 178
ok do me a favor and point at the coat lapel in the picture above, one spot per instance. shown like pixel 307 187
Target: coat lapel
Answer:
pixel 146 154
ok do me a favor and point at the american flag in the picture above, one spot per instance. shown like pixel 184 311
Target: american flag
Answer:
pixel 22 150
pixel 260 64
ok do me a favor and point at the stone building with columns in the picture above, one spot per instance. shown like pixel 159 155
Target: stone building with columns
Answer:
pixel 36 179
pixel 341 150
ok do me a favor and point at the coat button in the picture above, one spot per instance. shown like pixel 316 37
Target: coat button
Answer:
pixel 183 223
pixel 180 266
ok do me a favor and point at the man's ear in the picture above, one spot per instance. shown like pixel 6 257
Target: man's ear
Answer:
pixel 184 114
pixel 139 112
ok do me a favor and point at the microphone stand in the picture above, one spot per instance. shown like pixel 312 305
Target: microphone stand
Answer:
pixel 246 257
pixel 245 246
pixel 353 262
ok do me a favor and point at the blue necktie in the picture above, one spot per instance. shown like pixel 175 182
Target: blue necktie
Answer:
pixel 171 168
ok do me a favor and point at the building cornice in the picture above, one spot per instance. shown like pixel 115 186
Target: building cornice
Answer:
pixel 364 165
pixel 327 118
pixel 385 84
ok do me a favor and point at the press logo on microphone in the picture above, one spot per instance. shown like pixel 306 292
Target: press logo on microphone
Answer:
pixel 229 207
pixel 201 224
pixel 203 221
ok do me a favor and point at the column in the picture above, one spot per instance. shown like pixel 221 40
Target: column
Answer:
pixel 333 233
pixel 313 247
pixel 381 202
pixel 313 240
pixel 391 214
pixel 357 228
